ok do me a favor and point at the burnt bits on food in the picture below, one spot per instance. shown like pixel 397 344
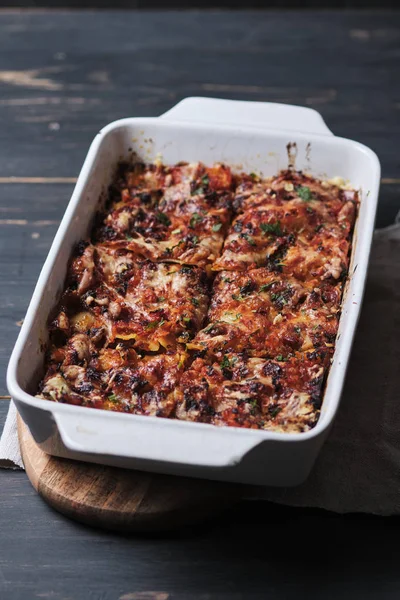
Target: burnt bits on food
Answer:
pixel 204 296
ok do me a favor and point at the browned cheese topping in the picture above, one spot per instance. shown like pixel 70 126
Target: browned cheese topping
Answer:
pixel 205 296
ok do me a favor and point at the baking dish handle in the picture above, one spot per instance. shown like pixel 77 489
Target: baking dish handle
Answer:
pixel 263 115
pixel 148 439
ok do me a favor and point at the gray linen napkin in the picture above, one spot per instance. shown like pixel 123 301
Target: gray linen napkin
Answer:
pixel 358 469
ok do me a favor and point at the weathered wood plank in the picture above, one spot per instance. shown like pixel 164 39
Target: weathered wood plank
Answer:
pixel 59 89
pixel 248 553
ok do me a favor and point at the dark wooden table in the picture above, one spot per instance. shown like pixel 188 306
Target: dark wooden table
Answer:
pixel 63 75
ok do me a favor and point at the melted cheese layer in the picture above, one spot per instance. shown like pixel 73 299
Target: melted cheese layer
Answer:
pixel 205 296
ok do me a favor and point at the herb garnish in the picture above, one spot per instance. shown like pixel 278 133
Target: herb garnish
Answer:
pixel 266 286
pixel 205 180
pixel 273 228
pixel 163 218
pixel 217 227
pixel 228 363
pixel 155 324
pixel 253 402
pixel 304 193
pixel 278 298
pixel 280 358
pixel 248 239
pixel 195 220
pixel 274 411
pixel 195 302
pixel 113 398
pixel 247 288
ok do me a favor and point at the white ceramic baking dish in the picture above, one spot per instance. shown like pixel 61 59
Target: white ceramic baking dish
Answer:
pixel 246 135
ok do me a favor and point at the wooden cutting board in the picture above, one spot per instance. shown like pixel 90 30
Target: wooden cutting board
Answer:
pixel 122 499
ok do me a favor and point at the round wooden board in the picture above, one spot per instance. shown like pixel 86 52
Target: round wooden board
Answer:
pixel 122 499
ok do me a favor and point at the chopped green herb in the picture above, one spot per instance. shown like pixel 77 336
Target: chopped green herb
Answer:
pixel 247 288
pixel 280 358
pixel 273 228
pixel 253 402
pixel 208 328
pixel 304 193
pixel 237 297
pixel 195 220
pixel 217 227
pixel 161 299
pixel 113 398
pixel 175 231
pixel 254 176
pixel 205 180
pixel 248 239
pixel 319 227
pixel 274 411
pixel 310 210
pixel 226 279
pixel 228 364
pixel 187 320
pixel 195 302
pixel 129 238
pixel 163 218
pixel 195 240
pixel 155 324
pixel 266 286
pixel 278 298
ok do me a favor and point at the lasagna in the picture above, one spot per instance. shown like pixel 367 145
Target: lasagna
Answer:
pixel 204 295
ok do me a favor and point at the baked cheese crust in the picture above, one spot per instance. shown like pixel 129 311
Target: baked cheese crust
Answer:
pixel 205 296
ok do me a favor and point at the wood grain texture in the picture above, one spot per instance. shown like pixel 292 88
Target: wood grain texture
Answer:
pixel 254 551
pixel 58 89
pixel 120 499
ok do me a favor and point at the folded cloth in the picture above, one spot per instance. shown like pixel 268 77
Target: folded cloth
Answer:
pixel 358 469
pixel 10 455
